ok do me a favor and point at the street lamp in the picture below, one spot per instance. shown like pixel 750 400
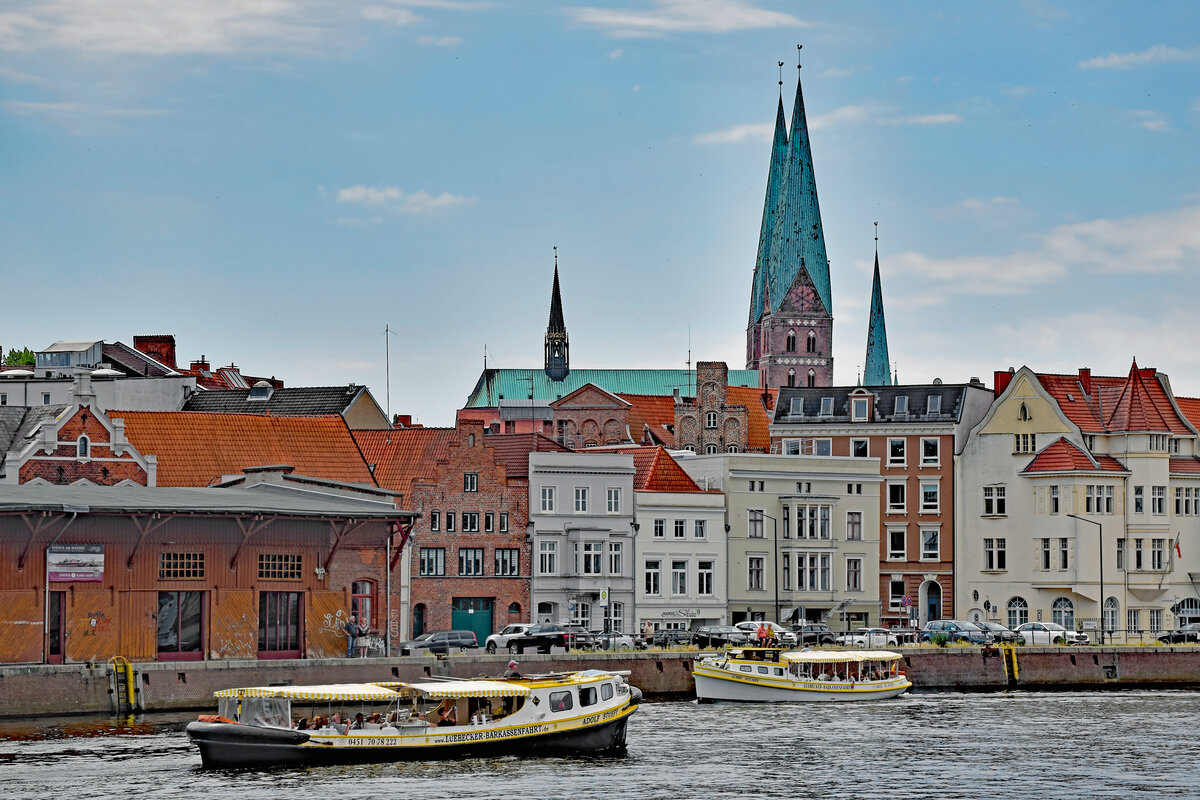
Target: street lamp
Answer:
pixel 775 562
pixel 1101 536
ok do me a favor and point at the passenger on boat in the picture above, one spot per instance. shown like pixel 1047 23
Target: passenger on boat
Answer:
pixel 447 714
pixel 302 724
pixel 358 722
pixel 341 727
pixel 512 671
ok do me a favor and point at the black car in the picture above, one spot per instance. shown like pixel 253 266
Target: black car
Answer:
pixel 1001 633
pixel 719 636
pixel 544 636
pixel 671 637
pixel 440 643
pixel 813 633
pixel 1182 635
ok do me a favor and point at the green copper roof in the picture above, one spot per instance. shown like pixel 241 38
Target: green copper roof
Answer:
pixel 798 240
pixel 774 181
pixel 876 371
pixel 515 384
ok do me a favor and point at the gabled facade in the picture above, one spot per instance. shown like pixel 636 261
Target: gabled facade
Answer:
pixel 74 444
pixel 591 417
pixel 1079 505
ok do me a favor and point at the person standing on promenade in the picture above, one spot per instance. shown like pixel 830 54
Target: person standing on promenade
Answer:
pixel 353 631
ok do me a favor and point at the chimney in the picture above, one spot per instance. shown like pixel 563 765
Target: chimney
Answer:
pixel 201 364
pixel 402 421
pixel 1147 373
pixel 678 398
pixel 1085 380
pixel 160 347
pixel 1002 378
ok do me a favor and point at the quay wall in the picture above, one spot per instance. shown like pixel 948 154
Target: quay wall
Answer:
pixel 39 690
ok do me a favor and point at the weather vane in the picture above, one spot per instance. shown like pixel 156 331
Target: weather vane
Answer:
pixel 799 47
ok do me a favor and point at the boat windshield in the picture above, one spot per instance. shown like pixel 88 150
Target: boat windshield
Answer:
pixel 268 712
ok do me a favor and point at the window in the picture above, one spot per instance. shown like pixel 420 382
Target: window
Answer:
pixel 790 345
pixel 853 526
pixel 859 448
pixel 616 616
pixel 1063 612
pixel 3 399
pixel 993 501
pixel 435 520
pixel 279 623
pixel 896 504
pixel 470 561
pixel 548 499
pixel 279 566
pixel 1133 620
pixel 791 377
pixel 929 544
pixel 933 405
pixel 1155 620
pixel 81 447
pixel 470 481
pixel 812 377
pixel 858 409
pixel 929 497
pixel 1120 554
pixel 826 406
pixel 895 452
pixel 678 577
pixel 808 447
pixel 180 566
pixel 46 399
pixel 504 522
pixel 1159 442
pixel 362 597
pixel 470 521
pixel 547 558
pixel 1064 553
pixel 489 522
pixel 896 548
pixel 854 569
pixel 433 561
pixel 901 405
pixel 1054 507
pixel 994 555
pixel 787 572
pixel 754 573
pixel 1139 496
pixel 1018 612
pixel 508 562
pixel 614 500
pixel 180 621
pixel 704 578
pixel 895 592
pixel 450 521
pixel 733 448
pixel 653 577
pixel 1098 499
pixel 812 521
pixel 680 528
pixel 1045 554
pixel 615 562
pixel 561 701
pixel 592 552
pixel 710 449
pixel 1157 551
pixel 710 419
pixel 1024 442
pixel 810 345
pixel 660 525
pixel 700 529
pixel 754 524
pixel 581 499
pixel 796 407
pixel 1158 499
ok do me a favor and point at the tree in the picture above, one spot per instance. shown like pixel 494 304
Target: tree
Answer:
pixel 23 357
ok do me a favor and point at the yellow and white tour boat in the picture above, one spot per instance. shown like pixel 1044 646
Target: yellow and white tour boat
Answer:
pixel 576 712
pixel 772 675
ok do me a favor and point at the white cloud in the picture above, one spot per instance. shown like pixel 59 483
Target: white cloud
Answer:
pixel 439 41
pixel 841 116
pixel 1152 120
pixel 32 108
pixel 393 16
pixel 1158 54
pixel 988 204
pixel 845 115
pixel 16 76
pixel 923 119
pixel 749 132
pixel 614 54
pixel 679 16
pixel 392 198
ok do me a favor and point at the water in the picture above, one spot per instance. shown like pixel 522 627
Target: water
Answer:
pixel 1024 745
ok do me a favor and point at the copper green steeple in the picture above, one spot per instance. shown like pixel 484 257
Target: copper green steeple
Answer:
pixel 774 181
pixel 878 365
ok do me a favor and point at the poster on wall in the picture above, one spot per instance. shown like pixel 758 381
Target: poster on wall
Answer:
pixel 75 562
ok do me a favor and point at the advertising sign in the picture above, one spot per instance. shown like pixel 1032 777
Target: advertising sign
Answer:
pixel 75 562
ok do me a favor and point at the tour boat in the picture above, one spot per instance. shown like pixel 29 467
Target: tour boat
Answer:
pixel 572 712
pixel 772 675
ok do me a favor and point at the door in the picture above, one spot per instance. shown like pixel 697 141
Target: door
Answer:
pixel 472 614
pixel 180 626
pixel 279 625
pixel 55 628
pixel 933 600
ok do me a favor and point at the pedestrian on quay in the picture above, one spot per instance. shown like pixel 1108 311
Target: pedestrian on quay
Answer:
pixel 512 671
pixel 353 631
pixel 648 633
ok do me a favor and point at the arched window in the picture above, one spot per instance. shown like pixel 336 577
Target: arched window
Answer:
pixel 361 595
pixel 710 419
pixel 1186 610
pixel 1023 414
pixel 514 609
pixel 691 448
pixel 812 377
pixel 733 448
pixel 710 449
pixel 791 341
pixel 1112 613
pixel 1018 612
pixel 81 447
pixel 810 346
pixel 791 377
pixel 546 612
pixel 1063 612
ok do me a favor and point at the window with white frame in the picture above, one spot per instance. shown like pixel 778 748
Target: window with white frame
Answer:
pixel 813 521
pixel 1139 499
pixel 787 571
pixel 678 577
pixel 754 573
pixel 548 499
pixel 582 615
pixel 616 617
pixel 1158 551
pixel 854 526
pixel 897 550
pixel 929 496
pixel 754 524
pixel 854 573
pixel 993 501
pixel 508 561
pixel 470 561
pixel 581 499
pixel 614 499
pixel 796 407
pixel 1054 500
pixel 547 558
pixel 470 522
pixel 858 409
pixel 826 406
pixel 653 577
pixel 1024 442
pixel 807 447
pixel 660 527
pixel 901 405
pixel 592 555
pixel 710 449
pixel 680 528
pixel 1133 620
pixel 1120 553
pixel 1064 553
pixel 1155 620
pixel 1018 612
pixel 895 592
pixel 994 555
pixel 896 497
pixel 435 520
pixel 470 481
pixel 489 521
pixel 503 522
pixel 1158 499
pixel 860 448
pixel 433 561
pixel 934 404
pixel 616 565
pixel 813 572
pixel 930 452
pixel 704 578
pixel 929 544
pixel 700 530
pixel 710 419
pixel 896 453
pixel 450 521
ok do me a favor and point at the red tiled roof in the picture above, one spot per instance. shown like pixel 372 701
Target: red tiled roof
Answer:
pixel 656 471
pixel 654 411
pixel 1063 456
pixel 1185 465
pixel 760 405
pixel 194 447
pixel 512 450
pixel 1190 406
pixel 404 455
pixel 1138 401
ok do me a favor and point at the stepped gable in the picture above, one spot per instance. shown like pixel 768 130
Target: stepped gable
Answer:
pixel 194 448
pixel 656 471
pixel 404 455
pixel 1063 456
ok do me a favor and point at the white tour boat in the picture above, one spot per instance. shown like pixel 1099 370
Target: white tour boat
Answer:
pixel 772 675
pixel 282 725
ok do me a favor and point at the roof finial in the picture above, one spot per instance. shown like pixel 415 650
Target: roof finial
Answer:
pixel 877 240
pixel 556 256
pixel 799 47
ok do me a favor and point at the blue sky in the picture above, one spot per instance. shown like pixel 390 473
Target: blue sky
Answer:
pixel 275 181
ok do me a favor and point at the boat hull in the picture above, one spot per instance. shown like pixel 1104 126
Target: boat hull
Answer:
pixel 717 685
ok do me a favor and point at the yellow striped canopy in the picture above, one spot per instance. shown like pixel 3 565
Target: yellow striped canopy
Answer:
pixel 441 690
pixel 839 656
pixel 335 691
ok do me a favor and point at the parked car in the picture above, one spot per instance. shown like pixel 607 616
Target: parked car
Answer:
pixel 499 641
pixel 868 637
pixel 545 636
pixel 440 643
pixel 813 633
pixel 1048 633
pixel 956 630
pixel 1186 633
pixel 782 635
pixel 617 641
pixel 671 637
pixel 720 636
pixel 998 631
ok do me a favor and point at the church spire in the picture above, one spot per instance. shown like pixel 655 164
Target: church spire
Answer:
pixel 557 363
pixel 878 362
pixel 758 293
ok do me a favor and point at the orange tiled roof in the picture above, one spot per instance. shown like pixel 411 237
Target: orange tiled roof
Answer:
pixel 1136 402
pixel 512 450
pixel 195 447
pixel 760 405
pixel 656 412
pixel 1063 456
pixel 1185 465
pixel 1190 406
pixel 404 455
pixel 656 471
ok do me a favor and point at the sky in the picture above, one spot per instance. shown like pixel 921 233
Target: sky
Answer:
pixel 279 182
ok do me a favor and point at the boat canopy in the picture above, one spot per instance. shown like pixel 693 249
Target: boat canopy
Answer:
pixel 334 691
pixel 838 656
pixel 441 690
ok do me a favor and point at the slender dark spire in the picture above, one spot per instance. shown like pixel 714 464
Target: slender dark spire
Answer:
pixel 759 291
pixel 557 363
pixel 878 365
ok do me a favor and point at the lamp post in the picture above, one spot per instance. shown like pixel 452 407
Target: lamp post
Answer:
pixel 775 562
pixel 1101 538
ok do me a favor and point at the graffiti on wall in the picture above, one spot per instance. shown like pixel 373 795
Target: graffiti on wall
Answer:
pixel 333 623
pixel 98 623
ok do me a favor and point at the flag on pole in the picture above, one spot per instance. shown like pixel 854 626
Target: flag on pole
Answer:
pixel 1178 550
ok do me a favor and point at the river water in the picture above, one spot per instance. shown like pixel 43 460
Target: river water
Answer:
pixel 1021 745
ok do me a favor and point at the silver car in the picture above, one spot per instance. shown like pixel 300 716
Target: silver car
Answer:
pixel 1048 633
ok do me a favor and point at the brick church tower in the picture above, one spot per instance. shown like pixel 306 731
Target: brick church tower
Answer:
pixel 789 337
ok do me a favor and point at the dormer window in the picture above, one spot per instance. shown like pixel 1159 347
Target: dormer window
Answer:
pixel 826 406
pixel 796 407
pixel 934 406
pixel 901 405
pixel 858 409
pixel 260 392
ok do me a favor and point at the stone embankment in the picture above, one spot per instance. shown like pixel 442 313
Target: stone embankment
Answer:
pixel 37 690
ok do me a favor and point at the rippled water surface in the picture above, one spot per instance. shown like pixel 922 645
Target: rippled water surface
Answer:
pixel 1062 745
